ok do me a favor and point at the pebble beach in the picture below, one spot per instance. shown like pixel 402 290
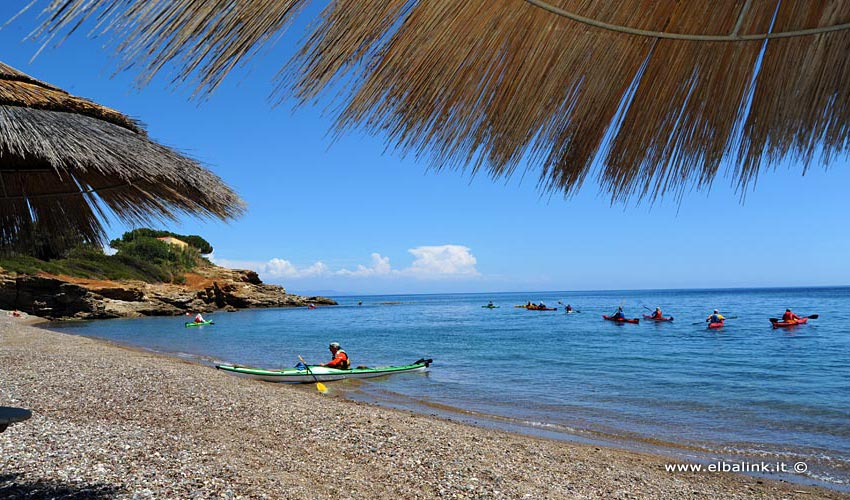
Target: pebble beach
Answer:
pixel 114 422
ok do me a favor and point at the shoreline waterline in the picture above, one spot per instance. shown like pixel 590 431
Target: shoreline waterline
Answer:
pixel 128 421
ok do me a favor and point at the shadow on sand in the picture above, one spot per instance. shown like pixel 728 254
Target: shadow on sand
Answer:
pixel 11 486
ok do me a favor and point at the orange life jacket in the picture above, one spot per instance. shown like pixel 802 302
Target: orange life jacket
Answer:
pixel 340 361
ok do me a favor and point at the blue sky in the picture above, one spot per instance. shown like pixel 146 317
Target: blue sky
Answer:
pixel 351 216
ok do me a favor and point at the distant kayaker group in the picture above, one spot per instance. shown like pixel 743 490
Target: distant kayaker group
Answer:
pixel 714 320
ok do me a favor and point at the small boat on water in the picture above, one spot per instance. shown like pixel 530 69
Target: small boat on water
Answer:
pixel 653 318
pixel 780 324
pixel 301 375
pixel 620 320
pixel 198 323
pixel 536 307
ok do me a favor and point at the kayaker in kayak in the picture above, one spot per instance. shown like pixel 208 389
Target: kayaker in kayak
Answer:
pixel 569 308
pixel 490 304
pixel 340 358
pixel 716 317
pixel 199 318
pixel 657 314
pixel 790 317
pixel 619 314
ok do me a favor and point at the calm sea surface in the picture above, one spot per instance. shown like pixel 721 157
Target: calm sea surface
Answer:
pixel 746 391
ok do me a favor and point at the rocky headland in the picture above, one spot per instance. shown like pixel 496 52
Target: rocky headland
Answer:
pixel 205 289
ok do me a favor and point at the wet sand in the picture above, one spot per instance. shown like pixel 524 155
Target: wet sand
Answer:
pixel 114 422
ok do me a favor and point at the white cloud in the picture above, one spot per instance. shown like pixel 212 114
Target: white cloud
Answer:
pixel 281 268
pixel 275 268
pixel 442 261
pixel 380 267
pixel 430 262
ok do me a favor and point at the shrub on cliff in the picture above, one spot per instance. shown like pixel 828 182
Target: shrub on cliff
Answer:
pixel 169 259
pixel 140 256
pixel 195 241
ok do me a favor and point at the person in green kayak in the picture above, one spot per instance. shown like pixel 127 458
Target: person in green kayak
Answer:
pixel 199 318
pixel 619 314
pixel 490 304
pixel 657 313
pixel 716 317
pixel 340 358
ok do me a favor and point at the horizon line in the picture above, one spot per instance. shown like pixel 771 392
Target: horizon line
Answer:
pixel 349 294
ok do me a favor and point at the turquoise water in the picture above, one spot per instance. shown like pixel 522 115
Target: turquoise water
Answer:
pixel 745 390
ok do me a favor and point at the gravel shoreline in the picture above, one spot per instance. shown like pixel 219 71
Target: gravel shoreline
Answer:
pixel 114 422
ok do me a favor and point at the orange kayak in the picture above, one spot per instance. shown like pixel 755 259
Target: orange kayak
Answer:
pixel 800 321
pixel 621 320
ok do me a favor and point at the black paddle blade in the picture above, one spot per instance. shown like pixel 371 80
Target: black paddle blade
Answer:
pixel 812 316
pixel 773 320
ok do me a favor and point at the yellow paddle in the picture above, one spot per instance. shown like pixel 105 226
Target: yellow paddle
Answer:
pixel 319 386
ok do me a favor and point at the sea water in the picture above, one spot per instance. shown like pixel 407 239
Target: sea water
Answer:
pixel 743 392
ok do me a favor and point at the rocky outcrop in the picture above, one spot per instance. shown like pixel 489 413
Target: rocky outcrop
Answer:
pixel 208 289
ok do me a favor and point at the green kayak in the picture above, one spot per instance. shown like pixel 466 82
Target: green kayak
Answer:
pixel 300 375
pixel 202 323
pixel 490 307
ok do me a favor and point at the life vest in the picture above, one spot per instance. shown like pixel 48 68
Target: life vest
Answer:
pixel 344 363
pixel 789 316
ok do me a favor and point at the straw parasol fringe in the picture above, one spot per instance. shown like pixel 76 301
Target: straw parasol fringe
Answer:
pixel 653 96
pixel 66 162
pixel 19 89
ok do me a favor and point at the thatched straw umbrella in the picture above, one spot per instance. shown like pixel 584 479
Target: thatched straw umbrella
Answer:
pixel 63 160
pixel 653 96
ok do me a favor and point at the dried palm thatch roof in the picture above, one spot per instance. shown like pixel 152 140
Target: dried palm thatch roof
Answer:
pixel 65 160
pixel 658 95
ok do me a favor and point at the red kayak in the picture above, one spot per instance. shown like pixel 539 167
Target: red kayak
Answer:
pixel 719 324
pixel 800 321
pixel 647 316
pixel 621 320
